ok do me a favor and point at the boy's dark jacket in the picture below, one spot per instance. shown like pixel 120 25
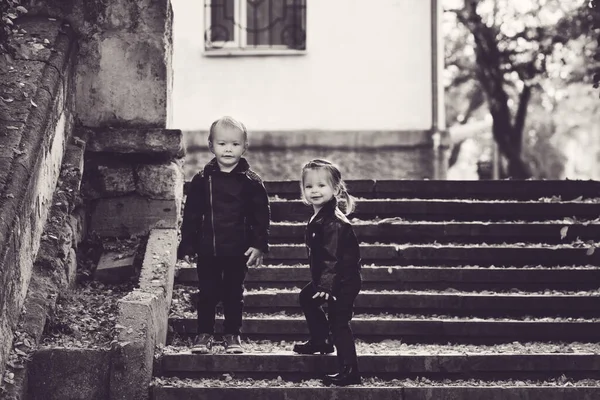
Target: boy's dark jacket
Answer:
pixel 225 213
pixel 333 250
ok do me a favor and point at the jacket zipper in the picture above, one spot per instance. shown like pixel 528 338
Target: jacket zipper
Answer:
pixel 212 216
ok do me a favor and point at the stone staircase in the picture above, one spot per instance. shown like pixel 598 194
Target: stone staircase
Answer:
pixel 472 290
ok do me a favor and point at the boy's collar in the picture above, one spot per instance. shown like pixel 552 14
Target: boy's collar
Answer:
pixel 240 168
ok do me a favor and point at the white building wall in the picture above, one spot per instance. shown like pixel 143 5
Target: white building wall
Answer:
pixel 367 67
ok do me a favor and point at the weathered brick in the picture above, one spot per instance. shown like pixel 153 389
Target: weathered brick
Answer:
pixel 115 181
pixel 115 266
pixel 132 215
pixel 69 373
pixel 165 142
pixel 160 181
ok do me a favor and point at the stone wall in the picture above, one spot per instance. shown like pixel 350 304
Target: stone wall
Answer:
pixel 124 72
pixel 36 118
pixel 133 180
pixel 54 269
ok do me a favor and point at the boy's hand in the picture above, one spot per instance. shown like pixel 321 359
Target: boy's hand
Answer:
pixel 255 257
pixel 324 294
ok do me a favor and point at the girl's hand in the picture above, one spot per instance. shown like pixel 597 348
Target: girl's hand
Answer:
pixel 255 257
pixel 325 295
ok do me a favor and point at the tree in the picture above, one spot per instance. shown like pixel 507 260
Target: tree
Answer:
pixel 595 17
pixel 515 46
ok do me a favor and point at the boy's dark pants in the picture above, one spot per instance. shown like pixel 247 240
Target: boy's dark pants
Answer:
pixel 339 314
pixel 221 279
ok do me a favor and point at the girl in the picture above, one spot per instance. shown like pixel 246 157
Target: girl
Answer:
pixel 334 260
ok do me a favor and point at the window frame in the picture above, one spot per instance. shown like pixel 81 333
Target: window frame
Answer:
pixel 239 44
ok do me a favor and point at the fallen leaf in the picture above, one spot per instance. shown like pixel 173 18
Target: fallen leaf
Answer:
pixel 7 99
pixel 33 103
pixel 12 128
pixel 563 232
pixel 20 352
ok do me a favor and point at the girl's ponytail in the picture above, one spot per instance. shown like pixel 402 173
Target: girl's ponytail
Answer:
pixel 348 200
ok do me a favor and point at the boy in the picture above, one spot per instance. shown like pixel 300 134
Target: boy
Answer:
pixel 226 223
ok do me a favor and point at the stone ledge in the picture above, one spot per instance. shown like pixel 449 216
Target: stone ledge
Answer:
pixel 144 314
pixel 112 176
pixel 428 254
pixel 347 139
pixel 436 330
pixel 440 210
pixel 441 189
pixel 457 232
pixel 77 374
pixel 470 304
pixel 132 215
pixel 269 275
pixel 152 141
pixel 380 393
pixel 464 364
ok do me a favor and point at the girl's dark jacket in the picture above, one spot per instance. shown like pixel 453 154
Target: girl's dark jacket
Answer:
pixel 225 213
pixel 333 250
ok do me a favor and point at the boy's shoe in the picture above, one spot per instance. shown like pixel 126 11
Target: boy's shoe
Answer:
pixel 348 376
pixel 202 344
pixel 311 347
pixel 233 344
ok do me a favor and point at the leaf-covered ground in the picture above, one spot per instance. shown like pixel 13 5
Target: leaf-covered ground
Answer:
pixel 86 318
pixel 229 380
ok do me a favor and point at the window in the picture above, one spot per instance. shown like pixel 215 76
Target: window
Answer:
pixel 255 24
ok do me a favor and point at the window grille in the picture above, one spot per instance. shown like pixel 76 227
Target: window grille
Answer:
pixel 255 24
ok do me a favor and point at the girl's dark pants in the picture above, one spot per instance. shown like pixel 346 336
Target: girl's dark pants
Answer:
pixel 339 314
pixel 221 279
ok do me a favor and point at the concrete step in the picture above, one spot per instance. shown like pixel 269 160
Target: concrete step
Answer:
pixel 435 210
pixel 228 388
pixel 432 189
pixel 267 360
pixel 498 255
pixel 482 304
pixel 419 277
pixel 414 330
pixel 398 231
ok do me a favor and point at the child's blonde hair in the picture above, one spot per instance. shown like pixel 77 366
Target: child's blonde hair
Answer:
pixel 335 178
pixel 228 122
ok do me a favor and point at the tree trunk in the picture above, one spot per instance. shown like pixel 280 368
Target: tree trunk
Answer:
pixel 491 79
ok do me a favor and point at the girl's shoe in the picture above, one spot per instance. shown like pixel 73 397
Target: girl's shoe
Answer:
pixel 202 344
pixel 233 344
pixel 311 347
pixel 348 376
